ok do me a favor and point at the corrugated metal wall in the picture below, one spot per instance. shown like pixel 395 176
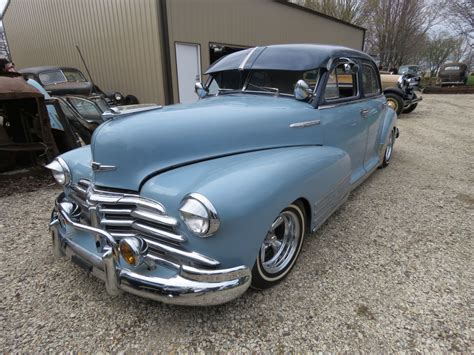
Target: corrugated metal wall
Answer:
pixel 118 38
pixel 250 23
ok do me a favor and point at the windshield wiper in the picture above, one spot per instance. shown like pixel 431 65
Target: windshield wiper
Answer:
pixel 265 88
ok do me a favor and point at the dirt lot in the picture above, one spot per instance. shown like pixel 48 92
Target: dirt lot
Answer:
pixel 392 270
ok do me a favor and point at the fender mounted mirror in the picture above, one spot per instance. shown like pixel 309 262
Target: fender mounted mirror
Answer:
pixel 200 90
pixel 302 90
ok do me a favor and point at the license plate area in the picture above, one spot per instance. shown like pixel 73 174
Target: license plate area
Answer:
pixel 81 263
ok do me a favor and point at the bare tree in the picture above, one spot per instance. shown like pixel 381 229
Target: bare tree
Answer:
pixel 352 11
pixel 460 15
pixel 438 49
pixel 397 28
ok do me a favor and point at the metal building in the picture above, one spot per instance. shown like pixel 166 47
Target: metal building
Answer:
pixel 155 49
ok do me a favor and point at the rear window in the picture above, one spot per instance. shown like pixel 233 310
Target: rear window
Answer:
pixel 52 77
pixel 74 76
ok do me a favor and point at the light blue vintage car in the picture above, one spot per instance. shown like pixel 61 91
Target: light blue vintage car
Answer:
pixel 192 204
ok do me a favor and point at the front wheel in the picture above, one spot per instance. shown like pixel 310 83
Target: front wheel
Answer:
pixel 280 248
pixel 395 102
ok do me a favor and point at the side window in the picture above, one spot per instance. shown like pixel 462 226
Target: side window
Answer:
pixel 87 109
pixel 342 83
pixel 370 81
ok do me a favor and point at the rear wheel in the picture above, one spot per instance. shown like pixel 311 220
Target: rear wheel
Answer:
pixel 280 248
pixel 395 102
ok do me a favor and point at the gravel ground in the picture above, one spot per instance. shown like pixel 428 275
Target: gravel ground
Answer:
pixel 392 270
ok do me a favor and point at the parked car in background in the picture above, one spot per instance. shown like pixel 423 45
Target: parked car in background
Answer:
pixel 32 127
pixel 191 204
pixel 400 91
pixel 453 74
pixel 94 110
pixel 71 81
pixel 412 69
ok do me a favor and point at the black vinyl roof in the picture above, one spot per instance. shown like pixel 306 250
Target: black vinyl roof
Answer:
pixel 297 57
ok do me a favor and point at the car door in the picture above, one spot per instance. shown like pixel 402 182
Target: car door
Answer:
pixel 342 116
pixel 374 107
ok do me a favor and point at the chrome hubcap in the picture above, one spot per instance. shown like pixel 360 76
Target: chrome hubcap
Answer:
pixel 281 242
pixel 392 104
pixel 388 151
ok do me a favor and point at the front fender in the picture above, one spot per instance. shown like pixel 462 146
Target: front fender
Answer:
pixel 248 191
pixel 79 162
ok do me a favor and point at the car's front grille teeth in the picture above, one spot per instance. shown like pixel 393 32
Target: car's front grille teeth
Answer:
pixel 127 215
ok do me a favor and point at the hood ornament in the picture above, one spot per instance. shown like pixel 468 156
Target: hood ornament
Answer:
pixel 102 167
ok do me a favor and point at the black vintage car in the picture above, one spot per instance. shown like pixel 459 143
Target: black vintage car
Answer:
pixel 71 81
pixel 452 74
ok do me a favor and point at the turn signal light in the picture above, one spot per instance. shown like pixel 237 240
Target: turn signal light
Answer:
pixel 132 250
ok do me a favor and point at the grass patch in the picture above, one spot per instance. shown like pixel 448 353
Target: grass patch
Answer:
pixel 470 80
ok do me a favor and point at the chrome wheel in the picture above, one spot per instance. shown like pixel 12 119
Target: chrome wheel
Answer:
pixel 280 248
pixel 393 104
pixel 281 242
pixel 389 150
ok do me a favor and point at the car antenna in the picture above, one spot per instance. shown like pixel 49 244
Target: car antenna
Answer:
pixel 85 66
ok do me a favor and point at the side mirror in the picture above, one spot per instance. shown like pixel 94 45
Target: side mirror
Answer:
pixel 350 68
pixel 200 90
pixel 302 90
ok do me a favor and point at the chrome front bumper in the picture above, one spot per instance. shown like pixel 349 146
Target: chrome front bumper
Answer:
pixel 184 286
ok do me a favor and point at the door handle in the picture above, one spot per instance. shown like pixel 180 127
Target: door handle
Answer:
pixel 364 112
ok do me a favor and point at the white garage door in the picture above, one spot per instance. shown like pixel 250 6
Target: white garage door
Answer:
pixel 188 59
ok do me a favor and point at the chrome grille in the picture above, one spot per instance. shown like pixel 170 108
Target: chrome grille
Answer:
pixel 123 214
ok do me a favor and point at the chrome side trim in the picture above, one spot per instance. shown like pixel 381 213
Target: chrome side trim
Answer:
pixel 305 124
pixel 247 57
pixel 102 167
pixel 348 102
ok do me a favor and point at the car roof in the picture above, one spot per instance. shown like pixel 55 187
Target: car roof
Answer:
pixel 45 68
pixel 297 57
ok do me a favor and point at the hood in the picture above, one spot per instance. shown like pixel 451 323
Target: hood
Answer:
pixel 144 144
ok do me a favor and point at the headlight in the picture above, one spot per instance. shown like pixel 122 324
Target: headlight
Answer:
pixel 60 170
pixel 199 215
pixel 118 96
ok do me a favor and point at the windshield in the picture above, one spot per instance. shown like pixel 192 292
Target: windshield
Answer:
pixel 408 70
pixel 52 77
pixel 265 81
pixel 74 75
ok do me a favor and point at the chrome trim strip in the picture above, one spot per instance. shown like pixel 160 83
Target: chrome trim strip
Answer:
pixel 151 217
pixel 116 222
pixel 102 167
pixel 158 233
pixel 142 202
pixel 305 124
pixel 119 211
pixel 247 57
pixel 202 259
pixel 336 104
